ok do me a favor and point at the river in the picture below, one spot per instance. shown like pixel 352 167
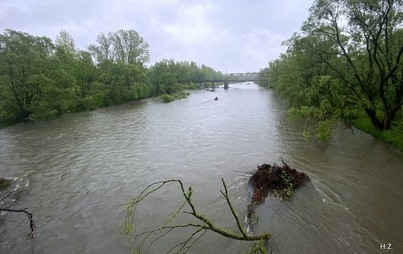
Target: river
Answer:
pixel 75 172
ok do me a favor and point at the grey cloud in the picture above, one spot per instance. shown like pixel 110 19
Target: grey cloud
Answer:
pixel 226 35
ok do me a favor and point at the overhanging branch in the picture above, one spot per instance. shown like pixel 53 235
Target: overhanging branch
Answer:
pixel 148 238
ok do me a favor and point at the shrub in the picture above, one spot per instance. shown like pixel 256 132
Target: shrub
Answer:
pixel 167 98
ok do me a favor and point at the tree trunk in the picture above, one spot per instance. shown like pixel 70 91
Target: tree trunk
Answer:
pixel 389 116
pixel 374 120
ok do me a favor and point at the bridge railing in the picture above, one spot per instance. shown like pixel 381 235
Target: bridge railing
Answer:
pixel 233 78
pixel 242 77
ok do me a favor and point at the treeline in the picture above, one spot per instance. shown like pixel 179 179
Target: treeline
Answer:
pixel 40 78
pixel 346 63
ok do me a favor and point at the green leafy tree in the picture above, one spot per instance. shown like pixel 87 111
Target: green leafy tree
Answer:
pixel 25 64
pixel 196 74
pixel 84 73
pixel 120 71
pixel 168 76
pixel 121 82
pixel 263 78
pixel 64 96
pixel 163 77
pixel 122 46
pixel 65 41
pixel 39 79
pixel 347 60
pixel 362 43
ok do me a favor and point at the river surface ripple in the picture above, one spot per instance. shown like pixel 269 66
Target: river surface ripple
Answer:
pixel 75 172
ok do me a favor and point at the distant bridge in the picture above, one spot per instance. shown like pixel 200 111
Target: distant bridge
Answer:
pixel 232 78
pixel 244 77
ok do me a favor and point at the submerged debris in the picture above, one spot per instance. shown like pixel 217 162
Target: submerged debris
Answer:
pixel 275 180
pixel 4 183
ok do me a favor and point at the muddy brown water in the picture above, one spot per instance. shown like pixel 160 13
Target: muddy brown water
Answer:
pixel 75 172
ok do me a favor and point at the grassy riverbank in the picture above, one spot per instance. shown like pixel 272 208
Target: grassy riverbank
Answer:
pixel 394 136
pixel 89 104
pixel 175 96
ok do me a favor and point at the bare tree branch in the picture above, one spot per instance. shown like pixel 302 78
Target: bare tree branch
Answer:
pixel 225 194
pixel 29 215
pixel 150 237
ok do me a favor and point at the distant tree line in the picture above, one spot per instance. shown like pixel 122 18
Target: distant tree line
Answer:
pixel 40 78
pixel 346 61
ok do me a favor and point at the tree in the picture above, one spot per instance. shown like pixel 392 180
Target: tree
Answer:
pixel 65 52
pixel 163 76
pixel 129 47
pixel 362 44
pixel 64 95
pixel 122 46
pixel 120 57
pixel 263 77
pixel 84 73
pixel 121 82
pixel 103 51
pixel 195 72
pixel 25 62
pixel 65 41
pixel 39 79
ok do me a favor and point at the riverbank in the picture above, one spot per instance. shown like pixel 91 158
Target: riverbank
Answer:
pixel 175 96
pixel 393 136
pixel 92 105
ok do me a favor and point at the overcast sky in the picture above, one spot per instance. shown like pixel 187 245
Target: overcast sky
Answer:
pixel 230 36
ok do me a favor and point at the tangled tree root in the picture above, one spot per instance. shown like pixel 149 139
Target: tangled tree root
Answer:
pixel 4 183
pixel 275 180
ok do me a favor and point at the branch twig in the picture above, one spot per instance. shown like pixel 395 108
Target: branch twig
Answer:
pixel 151 236
pixel 225 194
pixel 29 215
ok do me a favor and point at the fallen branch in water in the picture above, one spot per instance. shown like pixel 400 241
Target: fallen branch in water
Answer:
pixel 29 215
pixel 145 240
pixel 5 183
